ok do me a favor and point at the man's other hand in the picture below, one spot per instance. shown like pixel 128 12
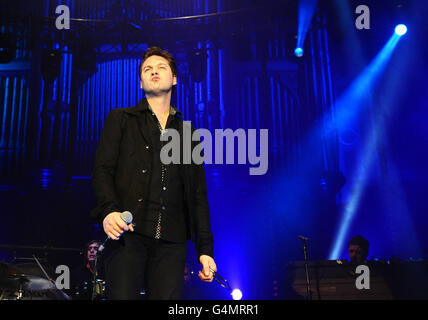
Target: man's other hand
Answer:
pixel 207 263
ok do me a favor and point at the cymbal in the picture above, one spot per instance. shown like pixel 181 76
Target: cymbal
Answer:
pixel 36 284
pixel 12 278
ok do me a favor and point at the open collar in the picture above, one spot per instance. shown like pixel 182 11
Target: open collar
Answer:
pixel 143 105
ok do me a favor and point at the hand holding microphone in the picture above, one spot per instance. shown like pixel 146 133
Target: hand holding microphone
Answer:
pixel 208 268
pixel 116 223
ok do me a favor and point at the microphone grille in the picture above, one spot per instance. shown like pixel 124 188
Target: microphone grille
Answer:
pixel 126 216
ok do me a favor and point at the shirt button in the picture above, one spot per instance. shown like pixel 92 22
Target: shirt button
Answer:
pixel 147 147
pixel 163 207
pixel 140 200
pixel 144 171
pixel 164 188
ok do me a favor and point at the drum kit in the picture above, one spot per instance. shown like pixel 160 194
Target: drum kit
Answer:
pixel 26 279
pixel 87 291
pixel 17 284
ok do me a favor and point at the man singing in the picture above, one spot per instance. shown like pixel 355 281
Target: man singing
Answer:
pixel 168 201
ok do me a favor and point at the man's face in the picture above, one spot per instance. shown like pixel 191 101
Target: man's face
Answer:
pixel 356 254
pixel 92 251
pixel 156 76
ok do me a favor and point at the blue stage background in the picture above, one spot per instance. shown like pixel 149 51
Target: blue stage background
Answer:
pixel 344 159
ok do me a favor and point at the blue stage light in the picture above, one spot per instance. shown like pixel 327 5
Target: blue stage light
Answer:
pixel 236 294
pixel 298 52
pixel 401 29
pixel 346 110
pixel 305 14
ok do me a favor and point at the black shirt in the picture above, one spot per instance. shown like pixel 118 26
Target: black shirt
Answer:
pixel 163 217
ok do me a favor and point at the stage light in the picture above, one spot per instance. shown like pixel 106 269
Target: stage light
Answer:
pixel 346 110
pixel 305 13
pixel 401 29
pixel 236 294
pixel 298 52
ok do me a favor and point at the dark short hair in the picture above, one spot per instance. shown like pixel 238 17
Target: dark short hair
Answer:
pixel 156 51
pixel 85 253
pixel 360 241
pixel 91 242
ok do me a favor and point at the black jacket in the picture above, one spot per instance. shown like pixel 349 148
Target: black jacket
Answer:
pixel 122 168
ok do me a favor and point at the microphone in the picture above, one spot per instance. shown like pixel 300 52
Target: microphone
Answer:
pixel 302 238
pixel 222 281
pixel 126 216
